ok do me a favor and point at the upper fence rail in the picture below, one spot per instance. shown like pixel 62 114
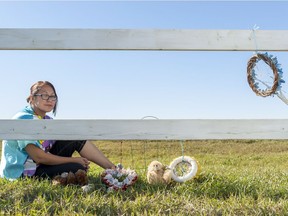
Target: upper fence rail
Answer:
pixel 143 39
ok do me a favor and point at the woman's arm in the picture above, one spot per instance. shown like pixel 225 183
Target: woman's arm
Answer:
pixel 41 157
pixel 92 153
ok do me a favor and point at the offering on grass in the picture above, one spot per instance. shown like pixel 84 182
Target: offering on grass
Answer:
pixel 184 168
pixel 118 179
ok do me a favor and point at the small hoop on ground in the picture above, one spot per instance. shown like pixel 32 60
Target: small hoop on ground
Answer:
pixel 184 168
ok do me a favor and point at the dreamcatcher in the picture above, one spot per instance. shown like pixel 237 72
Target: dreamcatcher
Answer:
pixel 259 76
pixel 263 83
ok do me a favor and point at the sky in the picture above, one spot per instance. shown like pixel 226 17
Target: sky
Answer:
pixel 136 84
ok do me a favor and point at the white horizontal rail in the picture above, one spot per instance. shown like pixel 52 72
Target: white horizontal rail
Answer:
pixel 143 129
pixel 143 39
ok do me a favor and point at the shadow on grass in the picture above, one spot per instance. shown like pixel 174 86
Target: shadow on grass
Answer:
pixel 208 185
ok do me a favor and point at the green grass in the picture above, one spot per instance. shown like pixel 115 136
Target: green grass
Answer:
pixel 242 177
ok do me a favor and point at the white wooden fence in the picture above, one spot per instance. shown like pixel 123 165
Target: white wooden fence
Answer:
pixel 147 39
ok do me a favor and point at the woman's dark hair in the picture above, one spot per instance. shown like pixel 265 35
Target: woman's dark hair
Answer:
pixel 36 87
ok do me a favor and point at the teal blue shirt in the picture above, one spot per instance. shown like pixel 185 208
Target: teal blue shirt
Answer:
pixel 14 155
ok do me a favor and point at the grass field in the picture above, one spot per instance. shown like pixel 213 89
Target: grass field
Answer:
pixel 238 177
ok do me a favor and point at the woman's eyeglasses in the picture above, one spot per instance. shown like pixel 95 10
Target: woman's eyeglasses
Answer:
pixel 47 97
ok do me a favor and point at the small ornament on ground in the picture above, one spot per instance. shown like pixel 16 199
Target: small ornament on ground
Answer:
pixel 158 173
pixel 88 188
pixel 119 178
pixel 78 178
pixel 184 168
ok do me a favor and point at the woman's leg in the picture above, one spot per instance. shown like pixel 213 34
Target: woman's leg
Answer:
pixel 50 171
pixel 92 153
pixel 64 149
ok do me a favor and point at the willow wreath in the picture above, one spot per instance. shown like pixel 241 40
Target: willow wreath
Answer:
pixel 118 179
pixel 277 74
pixel 184 168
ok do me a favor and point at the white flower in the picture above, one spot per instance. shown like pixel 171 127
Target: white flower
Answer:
pixel 115 181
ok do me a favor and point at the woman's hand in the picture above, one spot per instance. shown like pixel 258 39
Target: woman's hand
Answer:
pixel 83 161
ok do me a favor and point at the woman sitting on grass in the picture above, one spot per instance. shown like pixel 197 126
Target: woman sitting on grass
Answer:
pixel 46 158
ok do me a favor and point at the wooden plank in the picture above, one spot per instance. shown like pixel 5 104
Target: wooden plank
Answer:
pixel 143 39
pixel 144 129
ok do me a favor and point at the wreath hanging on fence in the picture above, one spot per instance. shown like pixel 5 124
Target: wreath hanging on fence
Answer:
pixel 253 81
